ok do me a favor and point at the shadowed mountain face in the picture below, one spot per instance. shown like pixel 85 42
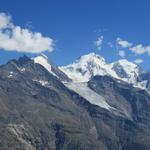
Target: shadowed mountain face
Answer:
pixel 38 112
pixel 133 108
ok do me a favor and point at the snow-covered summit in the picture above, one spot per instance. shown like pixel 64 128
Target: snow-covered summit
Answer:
pixel 91 57
pixel 49 66
pixel 87 66
pixel 126 70
pixel 92 64
pixel 43 60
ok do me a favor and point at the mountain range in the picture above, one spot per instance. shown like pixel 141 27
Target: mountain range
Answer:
pixel 87 105
pixel 87 66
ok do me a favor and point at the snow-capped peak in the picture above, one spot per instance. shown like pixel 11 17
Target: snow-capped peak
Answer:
pixel 49 66
pixel 43 60
pixel 126 70
pixel 87 66
pixel 92 64
pixel 91 58
pixel 125 63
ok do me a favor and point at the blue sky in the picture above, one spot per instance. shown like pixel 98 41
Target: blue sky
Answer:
pixel 78 27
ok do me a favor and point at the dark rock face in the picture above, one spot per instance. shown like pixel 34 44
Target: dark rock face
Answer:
pixel 120 71
pixel 145 76
pixel 148 85
pixel 37 112
pixel 62 76
pixel 129 128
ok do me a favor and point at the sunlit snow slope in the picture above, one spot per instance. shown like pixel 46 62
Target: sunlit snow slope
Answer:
pixel 83 90
pixel 92 64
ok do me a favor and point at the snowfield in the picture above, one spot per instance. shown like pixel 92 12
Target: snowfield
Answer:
pixel 83 90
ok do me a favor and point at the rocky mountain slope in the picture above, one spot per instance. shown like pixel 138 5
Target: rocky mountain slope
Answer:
pixel 53 69
pixel 38 112
pixel 89 105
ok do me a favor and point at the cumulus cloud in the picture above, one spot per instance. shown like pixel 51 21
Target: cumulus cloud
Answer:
pixel 136 49
pixel 123 43
pixel 5 21
pixel 98 43
pixel 138 61
pixel 140 49
pixel 122 53
pixel 15 38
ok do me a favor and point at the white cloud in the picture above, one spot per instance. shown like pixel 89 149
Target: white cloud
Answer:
pixel 140 49
pixel 137 49
pixel 123 43
pixel 15 38
pixel 98 43
pixel 138 61
pixel 122 53
pixel 5 21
